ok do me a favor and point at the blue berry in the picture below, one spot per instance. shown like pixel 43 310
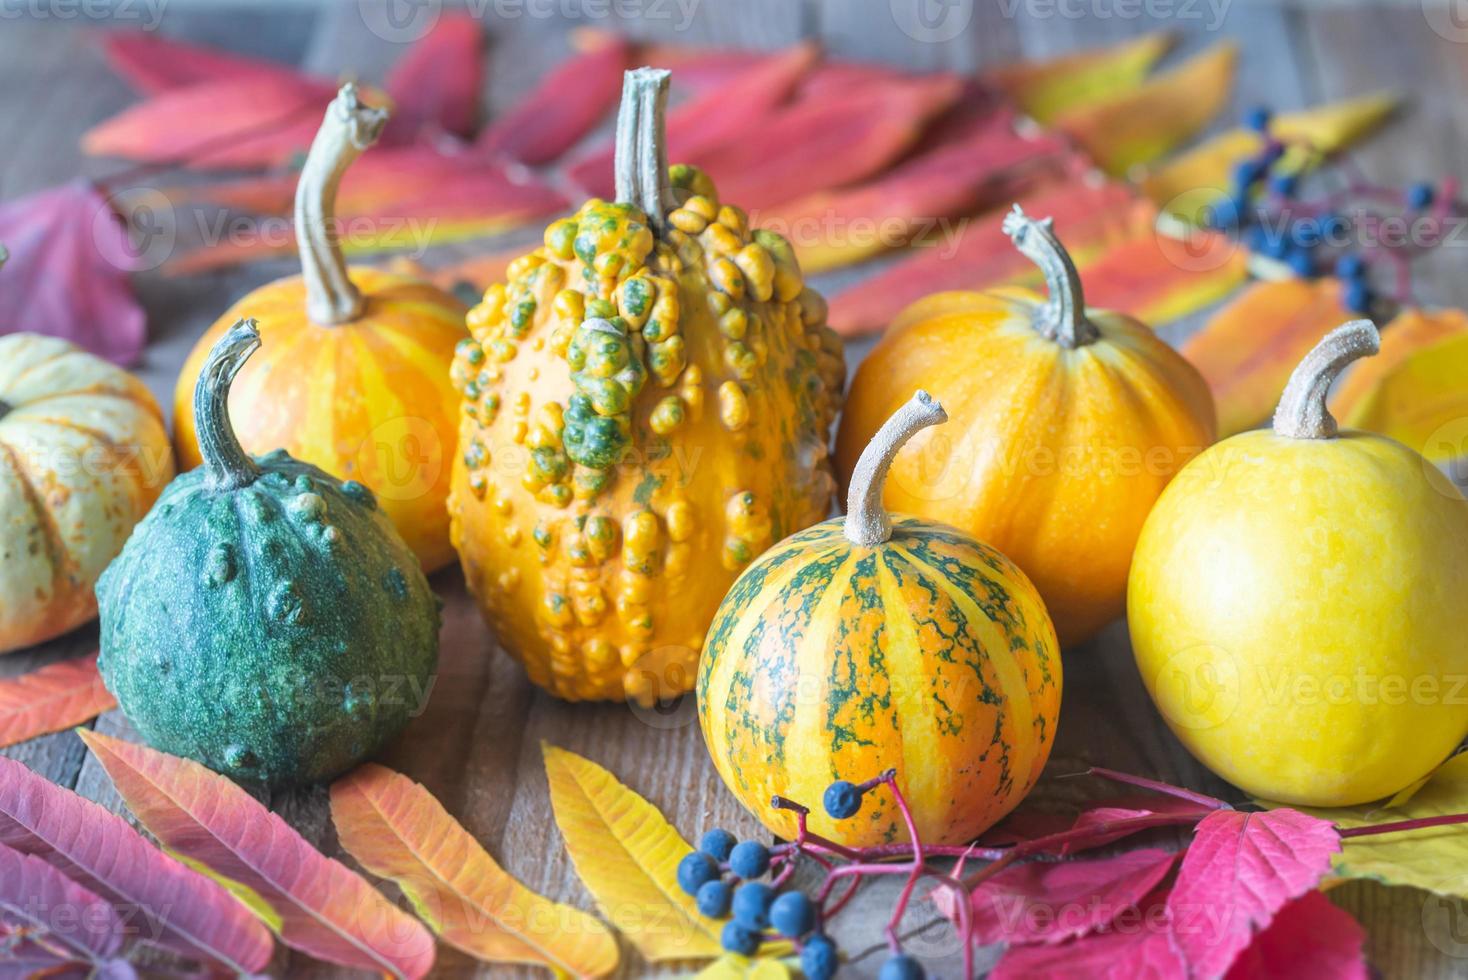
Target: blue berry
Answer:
pixel 749 859
pixel 713 898
pixel 818 958
pixel 1253 237
pixel 1285 185
pixel 1350 266
pixel 717 844
pixel 1301 262
pixel 901 967
pixel 737 939
pixel 1276 246
pixel 1223 214
pixel 1272 153
pixel 1358 296
pixel 694 870
pixel 1258 118
pixel 842 800
pixel 792 915
pixel 751 905
pixel 1245 174
pixel 1420 195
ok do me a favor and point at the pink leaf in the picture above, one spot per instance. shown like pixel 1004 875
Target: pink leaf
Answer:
pixel 1137 945
pixel 37 895
pixel 98 850
pixel 563 108
pixel 153 63
pixel 1311 938
pixel 1240 869
pixel 1050 902
pixel 1137 813
pixel 435 87
pixel 67 273
pixel 52 699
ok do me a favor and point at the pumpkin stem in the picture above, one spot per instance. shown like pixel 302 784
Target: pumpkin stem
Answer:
pixel 1302 413
pixel 642 145
pixel 348 129
pixel 228 466
pixel 867 521
pixel 1064 317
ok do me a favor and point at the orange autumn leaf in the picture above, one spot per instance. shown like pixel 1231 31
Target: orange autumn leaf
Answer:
pixel 323 908
pixel 1046 89
pixel 1159 279
pixel 1151 120
pixel 1409 331
pixel 397 830
pixel 1422 401
pixel 51 699
pixel 1248 349
pixel 627 854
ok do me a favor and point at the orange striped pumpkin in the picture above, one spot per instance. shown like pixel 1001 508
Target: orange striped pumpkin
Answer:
pixel 353 375
pixel 874 643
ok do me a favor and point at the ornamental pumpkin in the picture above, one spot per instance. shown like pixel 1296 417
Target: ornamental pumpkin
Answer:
pixel 1296 603
pixel 83 455
pixel 646 405
pixel 871 643
pixel 1070 422
pixel 353 376
pixel 265 619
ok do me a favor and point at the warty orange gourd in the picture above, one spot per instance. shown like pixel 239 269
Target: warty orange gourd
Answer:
pixel 353 374
pixel 1068 423
pixel 646 404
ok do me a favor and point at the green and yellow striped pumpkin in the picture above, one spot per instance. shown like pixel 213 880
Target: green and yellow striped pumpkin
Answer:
pixel 865 644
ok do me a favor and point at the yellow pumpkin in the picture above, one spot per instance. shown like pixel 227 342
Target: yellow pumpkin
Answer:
pixel 1297 603
pixel 83 456
pixel 872 643
pixel 646 405
pixel 1069 423
pixel 353 372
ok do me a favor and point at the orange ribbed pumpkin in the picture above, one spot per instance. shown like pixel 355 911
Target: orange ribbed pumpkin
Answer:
pixel 1067 425
pixel 353 375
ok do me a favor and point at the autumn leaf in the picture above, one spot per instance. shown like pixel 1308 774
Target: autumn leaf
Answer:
pixel 1248 349
pixel 1309 937
pixel 67 275
pixel 98 850
pixel 324 909
pixel 1409 331
pixel 1137 944
pixel 434 88
pixel 1110 821
pixel 1421 401
pixel 1151 120
pixel 698 68
pixel 153 62
pixel 1239 870
pixel 1047 89
pixel 51 699
pixel 397 830
pixel 627 854
pixel 563 108
pixel 36 895
pixel 732 966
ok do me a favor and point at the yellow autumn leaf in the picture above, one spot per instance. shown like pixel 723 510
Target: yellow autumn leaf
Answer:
pixel 1044 89
pixel 1190 181
pixel 1409 331
pixel 732 966
pixel 397 830
pixel 627 854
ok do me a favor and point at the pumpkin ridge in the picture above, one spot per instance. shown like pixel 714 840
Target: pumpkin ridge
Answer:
pixel 56 550
pixel 51 358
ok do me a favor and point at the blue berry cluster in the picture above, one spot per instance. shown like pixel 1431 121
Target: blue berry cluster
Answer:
pixel 723 878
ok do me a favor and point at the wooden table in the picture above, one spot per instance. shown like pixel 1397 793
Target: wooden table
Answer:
pixel 477 746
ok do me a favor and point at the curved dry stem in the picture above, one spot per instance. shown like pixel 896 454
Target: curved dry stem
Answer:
pixel 226 465
pixel 349 128
pixel 642 145
pixel 1302 413
pixel 1063 318
pixel 867 521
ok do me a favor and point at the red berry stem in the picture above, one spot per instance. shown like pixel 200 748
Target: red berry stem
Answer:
pixel 1157 786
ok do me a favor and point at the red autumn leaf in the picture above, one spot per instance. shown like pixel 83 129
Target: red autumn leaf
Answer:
pixel 153 62
pixel 98 850
pixel 67 275
pixel 698 69
pixel 1137 945
pixel 435 86
pixel 259 121
pixel 1113 820
pixel 1050 902
pixel 36 895
pixel 734 110
pixel 563 108
pixel 325 909
pixel 1311 938
pixel 1159 279
pixel 838 77
pixel 51 699
pixel 1241 869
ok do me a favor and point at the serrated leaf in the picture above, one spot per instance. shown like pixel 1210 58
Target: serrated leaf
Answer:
pixel 1046 89
pixel 1310 937
pixel 98 850
pixel 397 830
pixel 1141 948
pixel 1248 349
pixel 324 909
pixel 1409 331
pixel 37 895
pixel 1153 119
pixel 627 854
pixel 51 699
pixel 1422 401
